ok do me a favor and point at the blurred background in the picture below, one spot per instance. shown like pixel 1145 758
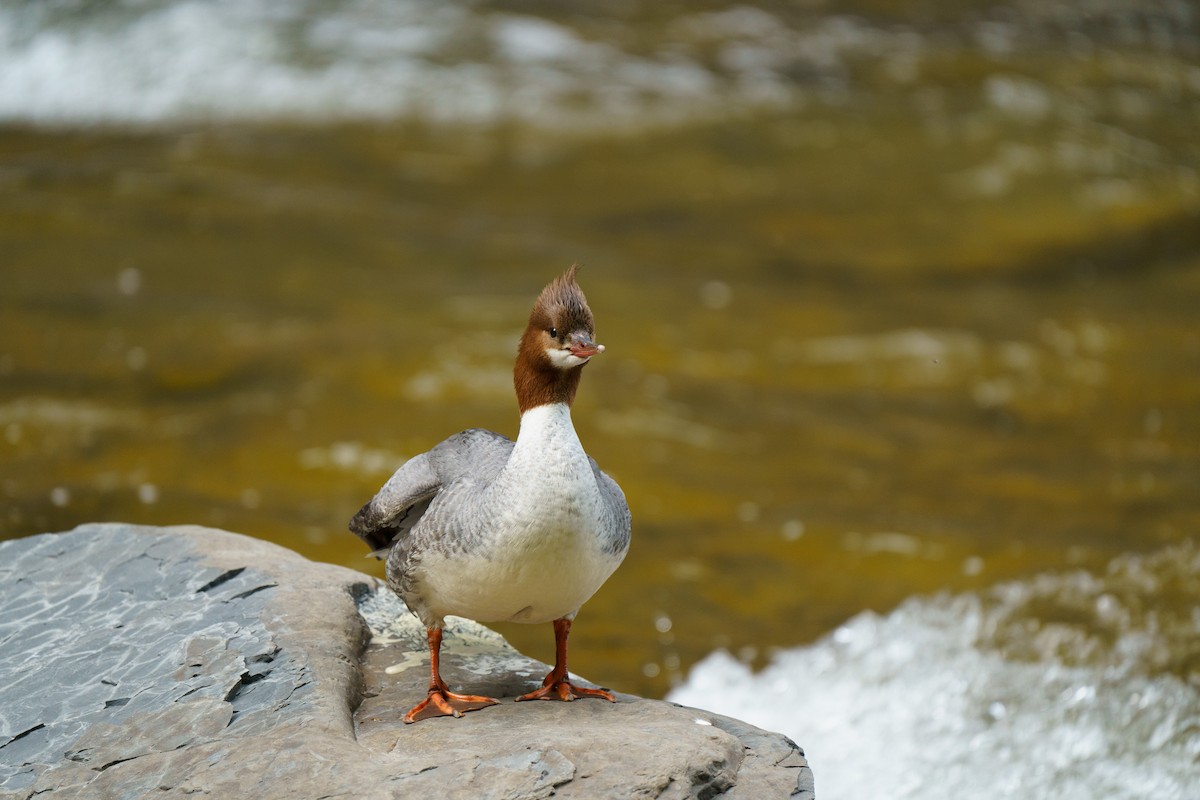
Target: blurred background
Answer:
pixel 901 301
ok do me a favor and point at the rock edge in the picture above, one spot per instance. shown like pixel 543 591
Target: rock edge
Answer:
pixel 192 661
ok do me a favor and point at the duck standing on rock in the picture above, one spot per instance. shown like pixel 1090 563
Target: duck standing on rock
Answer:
pixel 494 530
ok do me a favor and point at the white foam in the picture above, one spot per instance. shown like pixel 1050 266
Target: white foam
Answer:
pixel 160 61
pixel 165 61
pixel 930 701
pixel 529 39
pixel 184 60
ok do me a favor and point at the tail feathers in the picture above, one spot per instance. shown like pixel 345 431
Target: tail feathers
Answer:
pixel 379 536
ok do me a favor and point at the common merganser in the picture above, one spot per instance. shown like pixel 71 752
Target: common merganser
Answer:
pixel 490 529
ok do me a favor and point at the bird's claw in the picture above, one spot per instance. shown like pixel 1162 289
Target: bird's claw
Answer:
pixel 444 703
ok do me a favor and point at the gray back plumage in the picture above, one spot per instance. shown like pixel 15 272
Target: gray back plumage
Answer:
pixel 475 455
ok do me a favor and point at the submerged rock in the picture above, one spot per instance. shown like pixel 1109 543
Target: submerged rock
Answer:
pixel 191 661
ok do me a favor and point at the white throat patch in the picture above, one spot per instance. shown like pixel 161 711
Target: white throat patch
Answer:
pixel 564 359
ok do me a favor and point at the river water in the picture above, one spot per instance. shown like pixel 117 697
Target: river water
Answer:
pixel 901 308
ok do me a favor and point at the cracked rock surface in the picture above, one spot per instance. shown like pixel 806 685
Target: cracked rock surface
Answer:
pixel 189 661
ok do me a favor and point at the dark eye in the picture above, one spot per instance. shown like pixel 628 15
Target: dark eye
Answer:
pixel 554 333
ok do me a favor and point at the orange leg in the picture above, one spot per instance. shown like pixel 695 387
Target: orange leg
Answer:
pixel 441 702
pixel 557 686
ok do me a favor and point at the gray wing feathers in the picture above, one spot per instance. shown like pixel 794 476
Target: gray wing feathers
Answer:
pixel 477 454
pixel 390 513
pixel 474 454
pixel 614 499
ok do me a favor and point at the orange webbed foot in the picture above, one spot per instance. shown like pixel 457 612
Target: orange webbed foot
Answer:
pixel 566 691
pixel 445 703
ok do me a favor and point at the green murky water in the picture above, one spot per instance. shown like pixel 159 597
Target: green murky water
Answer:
pixel 916 339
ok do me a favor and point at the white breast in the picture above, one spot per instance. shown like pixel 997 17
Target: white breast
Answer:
pixel 544 555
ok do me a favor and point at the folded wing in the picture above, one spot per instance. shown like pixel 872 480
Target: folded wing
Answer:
pixel 476 454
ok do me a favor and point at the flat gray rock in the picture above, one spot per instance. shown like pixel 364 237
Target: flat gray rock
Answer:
pixel 190 661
